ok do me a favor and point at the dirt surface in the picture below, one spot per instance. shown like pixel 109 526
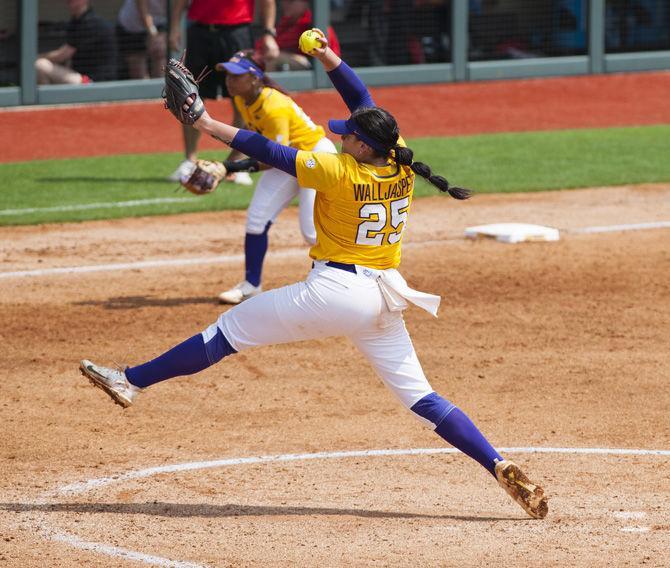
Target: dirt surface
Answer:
pixel 424 110
pixel 554 345
pixel 545 345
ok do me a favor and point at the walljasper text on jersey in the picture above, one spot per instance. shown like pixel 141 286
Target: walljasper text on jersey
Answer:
pixel 383 191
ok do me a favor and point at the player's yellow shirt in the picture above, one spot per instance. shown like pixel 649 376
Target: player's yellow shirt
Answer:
pixel 360 211
pixel 277 117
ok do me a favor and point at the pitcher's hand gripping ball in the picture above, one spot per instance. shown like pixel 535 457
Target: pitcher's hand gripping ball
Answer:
pixel 311 40
pixel 205 177
pixel 179 86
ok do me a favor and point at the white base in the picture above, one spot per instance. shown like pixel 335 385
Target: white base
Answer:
pixel 513 232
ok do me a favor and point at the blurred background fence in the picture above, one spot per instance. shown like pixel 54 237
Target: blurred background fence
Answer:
pixel 390 41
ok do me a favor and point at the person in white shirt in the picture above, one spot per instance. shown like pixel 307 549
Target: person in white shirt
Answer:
pixel 141 30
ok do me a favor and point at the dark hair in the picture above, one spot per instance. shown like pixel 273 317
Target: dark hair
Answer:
pixel 258 61
pixel 381 126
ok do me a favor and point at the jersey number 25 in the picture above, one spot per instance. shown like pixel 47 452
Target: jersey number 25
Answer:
pixel 371 232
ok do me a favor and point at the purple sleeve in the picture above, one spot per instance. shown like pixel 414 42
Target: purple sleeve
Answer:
pixel 352 90
pixel 266 151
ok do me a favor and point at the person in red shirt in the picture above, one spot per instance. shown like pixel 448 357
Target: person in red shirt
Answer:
pixel 296 18
pixel 217 29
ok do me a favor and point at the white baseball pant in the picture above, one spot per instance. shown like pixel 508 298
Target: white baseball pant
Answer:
pixel 331 302
pixel 275 190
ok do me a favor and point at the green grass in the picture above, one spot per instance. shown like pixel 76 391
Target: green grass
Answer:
pixel 529 161
pixel 563 159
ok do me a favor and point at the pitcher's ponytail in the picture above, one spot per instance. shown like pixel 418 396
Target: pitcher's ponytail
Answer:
pixel 382 128
pixel 423 170
pixel 405 157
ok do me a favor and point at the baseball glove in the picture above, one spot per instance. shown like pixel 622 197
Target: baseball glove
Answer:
pixel 179 85
pixel 205 177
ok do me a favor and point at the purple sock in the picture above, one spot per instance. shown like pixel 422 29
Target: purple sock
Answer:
pixel 455 427
pixel 255 247
pixel 187 358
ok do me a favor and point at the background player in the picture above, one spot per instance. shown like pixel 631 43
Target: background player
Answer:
pixel 361 210
pixel 217 30
pixel 266 108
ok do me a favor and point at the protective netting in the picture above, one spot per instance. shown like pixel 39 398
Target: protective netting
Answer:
pixel 396 32
pixel 111 41
pixel 392 32
pixel 637 25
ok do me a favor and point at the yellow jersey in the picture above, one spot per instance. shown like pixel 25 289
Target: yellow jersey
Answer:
pixel 360 211
pixel 277 117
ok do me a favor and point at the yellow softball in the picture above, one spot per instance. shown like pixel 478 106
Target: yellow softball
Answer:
pixel 309 41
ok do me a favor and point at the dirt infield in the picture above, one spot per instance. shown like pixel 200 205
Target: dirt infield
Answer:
pixel 550 347
pixel 426 110
pixel 554 345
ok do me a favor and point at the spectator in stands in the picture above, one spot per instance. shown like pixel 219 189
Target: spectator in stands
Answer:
pixel 418 31
pixel 142 37
pixel 296 18
pixel 217 30
pixel 88 54
pixel 630 25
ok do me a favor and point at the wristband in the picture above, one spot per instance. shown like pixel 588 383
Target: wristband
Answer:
pixel 268 31
pixel 246 165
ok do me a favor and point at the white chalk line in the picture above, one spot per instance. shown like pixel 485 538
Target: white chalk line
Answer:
pixel 115 551
pixel 118 552
pixel 632 515
pixel 291 252
pixel 175 262
pixel 141 264
pixel 625 515
pixel 624 227
pixel 635 529
pixel 86 206
pixel 82 487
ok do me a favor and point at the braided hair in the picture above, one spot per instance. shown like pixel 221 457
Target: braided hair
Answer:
pixel 381 126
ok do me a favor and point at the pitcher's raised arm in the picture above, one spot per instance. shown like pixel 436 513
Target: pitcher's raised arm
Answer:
pixel 352 90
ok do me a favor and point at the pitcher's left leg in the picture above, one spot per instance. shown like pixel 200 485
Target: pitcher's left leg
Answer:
pixel 390 351
pixel 392 354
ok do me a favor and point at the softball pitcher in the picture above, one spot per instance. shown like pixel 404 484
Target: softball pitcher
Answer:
pixel 362 205
pixel 267 110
